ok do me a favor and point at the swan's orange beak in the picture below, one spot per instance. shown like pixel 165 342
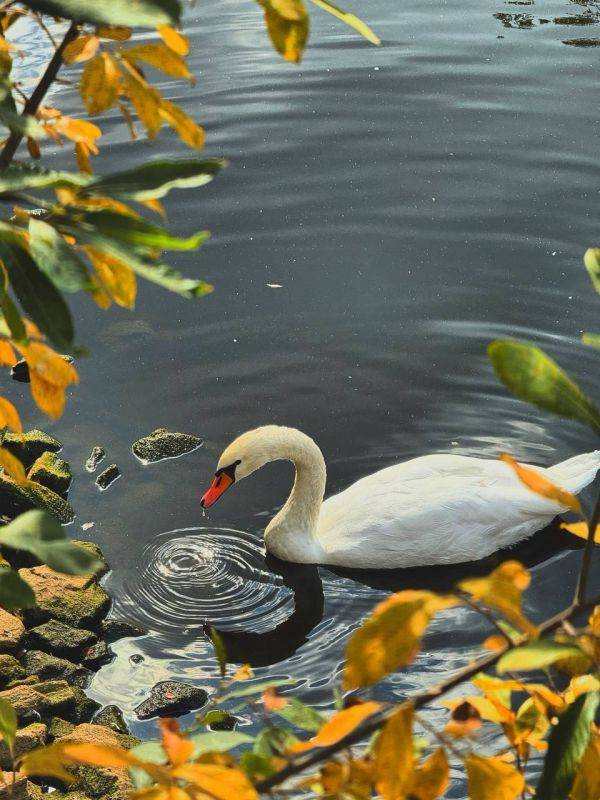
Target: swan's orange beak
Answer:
pixel 221 483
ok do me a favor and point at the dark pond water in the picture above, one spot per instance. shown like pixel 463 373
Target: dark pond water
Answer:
pixel 412 202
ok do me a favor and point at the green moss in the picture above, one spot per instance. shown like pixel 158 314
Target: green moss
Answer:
pixel 31 445
pixel 15 499
pixel 59 727
pixel 51 471
pixel 10 670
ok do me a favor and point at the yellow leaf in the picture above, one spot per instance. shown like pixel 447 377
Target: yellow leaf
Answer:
pixel 492 779
pixel 495 643
pixel 99 296
pixel 81 49
pixel 394 756
pixel 390 638
pixel 7 354
pixel 9 416
pixel 117 277
pixel 79 130
pixel 109 756
pixel 177 748
pixel 34 148
pixel 273 701
pixel 189 133
pixel 218 782
pixel 542 486
pixel 468 708
pixel 146 101
pixel 287 23
pixel 45 762
pixel 174 40
pixel 12 466
pixel 350 778
pixel 118 33
pixel 431 777
pixel 155 205
pixel 580 529
pixel 581 684
pixel 339 725
pixel 350 19
pixel 50 375
pixel 587 778
pixel 99 85
pixel 82 155
pixel 159 56
pixel 501 590
pixel 244 673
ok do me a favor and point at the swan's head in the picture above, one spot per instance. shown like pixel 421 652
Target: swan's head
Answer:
pixel 242 457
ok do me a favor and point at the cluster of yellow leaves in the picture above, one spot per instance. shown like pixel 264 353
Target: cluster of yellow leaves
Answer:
pixel 82 133
pixel 390 638
pixel 211 776
pixel 49 374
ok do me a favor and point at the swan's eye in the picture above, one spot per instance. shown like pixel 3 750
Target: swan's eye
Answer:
pixel 229 471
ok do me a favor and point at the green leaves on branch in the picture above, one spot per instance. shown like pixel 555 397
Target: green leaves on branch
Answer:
pixel 566 748
pixel 40 534
pixel 156 179
pixel 141 13
pixel 58 260
pixel 20 177
pixel 538 654
pixel 533 376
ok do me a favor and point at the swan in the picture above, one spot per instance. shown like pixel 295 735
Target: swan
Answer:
pixel 434 509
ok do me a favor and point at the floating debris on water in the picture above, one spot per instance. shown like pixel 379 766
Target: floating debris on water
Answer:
pixel 136 658
pixel 275 285
pixel 106 478
pixel 86 526
pixel 162 444
pixel 96 456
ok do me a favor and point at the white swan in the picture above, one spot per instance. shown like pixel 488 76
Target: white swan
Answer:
pixel 436 509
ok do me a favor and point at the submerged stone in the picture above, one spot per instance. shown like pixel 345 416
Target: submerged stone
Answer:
pixel 48 667
pixel 60 639
pixel 171 698
pixel 115 629
pixel 31 445
pixel 95 457
pixel 51 471
pixel 27 739
pixel 161 444
pixel 97 655
pixel 111 717
pixel 15 499
pixel 75 600
pixel 107 477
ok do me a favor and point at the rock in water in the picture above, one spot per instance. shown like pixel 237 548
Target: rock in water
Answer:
pixel 115 629
pixel 15 499
pixel 96 456
pixel 31 445
pixel 51 471
pixel 106 478
pixel 111 717
pixel 171 698
pixel 161 444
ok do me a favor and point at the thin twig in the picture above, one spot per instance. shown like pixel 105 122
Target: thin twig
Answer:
pixel 377 721
pixel 442 738
pixel 485 612
pixel 586 560
pixel 38 94
pixel 38 18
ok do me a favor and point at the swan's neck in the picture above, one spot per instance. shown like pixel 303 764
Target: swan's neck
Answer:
pixel 291 534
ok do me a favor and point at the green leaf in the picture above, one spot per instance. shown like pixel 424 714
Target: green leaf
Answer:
pixel 256 766
pixel 19 177
pixel 592 339
pixel 219 648
pixel 147 751
pixel 566 746
pixel 156 179
pixel 218 742
pixel 13 319
pixel 58 260
pixel 534 377
pixel 14 591
pixel 274 741
pixel 40 534
pixel 138 232
pixel 301 715
pixel 141 13
pixel 591 259
pixel 350 19
pixel 537 654
pixel 248 688
pixel 8 724
pixel 38 297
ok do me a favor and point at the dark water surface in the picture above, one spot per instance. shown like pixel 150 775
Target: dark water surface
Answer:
pixel 413 201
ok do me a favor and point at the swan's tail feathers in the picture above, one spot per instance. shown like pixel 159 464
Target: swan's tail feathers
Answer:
pixel 575 473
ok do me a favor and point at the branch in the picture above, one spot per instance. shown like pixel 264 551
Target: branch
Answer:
pixel 377 721
pixel 586 561
pixel 38 94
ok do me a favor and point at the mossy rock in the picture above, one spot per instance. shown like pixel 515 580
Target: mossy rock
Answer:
pixel 27 739
pixel 51 471
pixel 59 639
pixel 96 551
pixel 10 670
pixel 77 601
pixel 111 717
pixel 58 727
pixel 161 444
pixel 15 499
pixel 30 446
pixel 49 667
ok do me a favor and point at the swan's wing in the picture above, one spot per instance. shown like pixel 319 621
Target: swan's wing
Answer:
pixel 434 509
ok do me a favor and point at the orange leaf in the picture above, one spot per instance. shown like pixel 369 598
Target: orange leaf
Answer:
pixel 146 101
pixel 81 49
pixel 174 40
pixel 542 486
pixel 118 33
pixel 394 756
pixel 50 374
pixel 99 84
pixel 155 205
pixel 273 701
pixel 493 779
pixel 390 638
pixel 190 134
pixel 244 673
pixel 161 57
pixel 7 354
pixel 580 529
pixel 339 726
pixel 177 748
pixel 431 777
pixel 9 416
pixel 117 277
pixel 79 130
pixel 33 148
pixel 82 155
pixel 12 466
pixel 495 643
pixel 218 782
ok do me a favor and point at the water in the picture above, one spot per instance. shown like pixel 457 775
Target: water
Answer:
pixel 412 202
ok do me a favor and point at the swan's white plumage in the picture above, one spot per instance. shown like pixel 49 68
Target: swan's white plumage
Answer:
pixel 435 509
